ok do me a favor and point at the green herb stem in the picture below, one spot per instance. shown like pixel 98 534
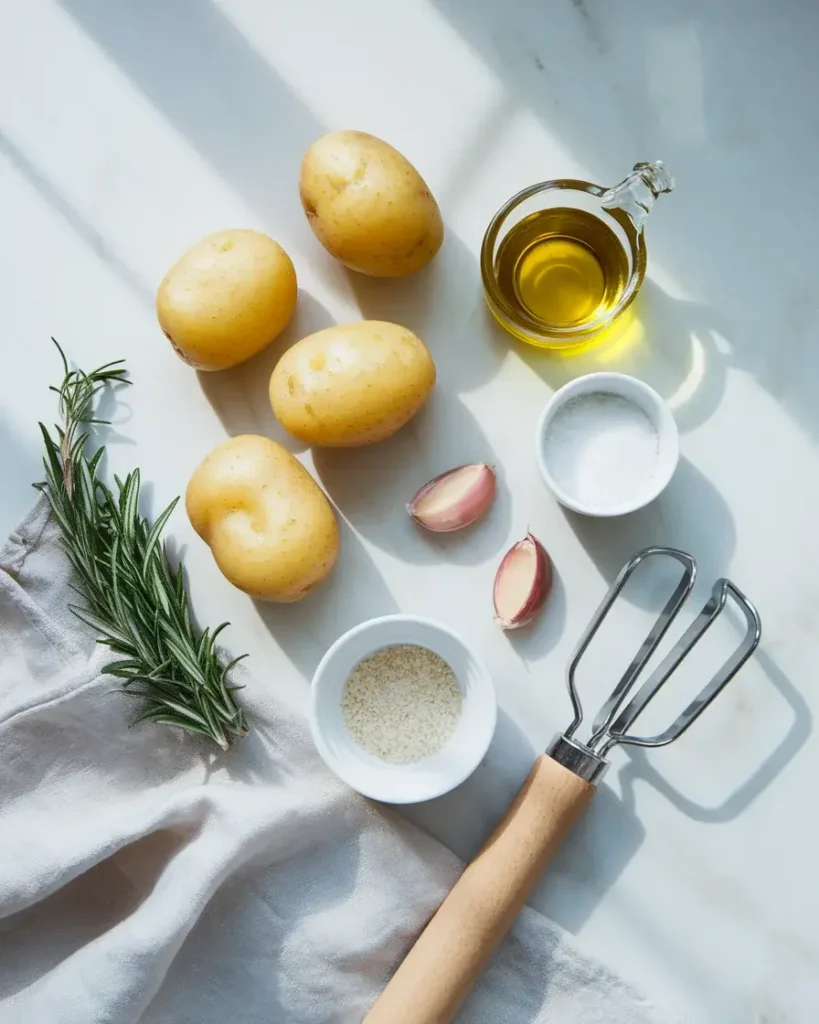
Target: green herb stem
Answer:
pixel 133 598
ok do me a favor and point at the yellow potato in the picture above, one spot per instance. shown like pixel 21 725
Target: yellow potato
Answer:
pixel 270 527
pixel 368 206
pixel 351 385
pixel 227 298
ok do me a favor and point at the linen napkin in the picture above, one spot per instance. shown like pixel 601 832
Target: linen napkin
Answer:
pixel 144 878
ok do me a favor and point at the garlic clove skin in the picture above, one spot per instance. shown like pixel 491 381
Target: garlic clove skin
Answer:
pixel 522 583
pixel 454 499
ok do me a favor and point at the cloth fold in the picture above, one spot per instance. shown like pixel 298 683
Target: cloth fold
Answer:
pixel 145 879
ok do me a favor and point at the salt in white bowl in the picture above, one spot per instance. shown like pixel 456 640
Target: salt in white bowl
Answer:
pixel 646 399
pixel 422 780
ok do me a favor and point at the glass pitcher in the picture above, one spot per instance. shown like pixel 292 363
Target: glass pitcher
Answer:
pixel 563 259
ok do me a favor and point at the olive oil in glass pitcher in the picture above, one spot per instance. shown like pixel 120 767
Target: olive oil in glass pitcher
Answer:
pixel 562 259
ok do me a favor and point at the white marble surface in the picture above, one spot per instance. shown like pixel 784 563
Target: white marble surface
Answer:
pixel 129 128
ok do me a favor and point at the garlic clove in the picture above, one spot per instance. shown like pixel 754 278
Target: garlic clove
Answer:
pixel 454 499
pixel 522 583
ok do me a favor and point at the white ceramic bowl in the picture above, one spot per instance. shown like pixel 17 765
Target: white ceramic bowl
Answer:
pixel 647 399
pixel 432 776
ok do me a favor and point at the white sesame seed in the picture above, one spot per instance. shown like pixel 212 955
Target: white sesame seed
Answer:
pixel 401 703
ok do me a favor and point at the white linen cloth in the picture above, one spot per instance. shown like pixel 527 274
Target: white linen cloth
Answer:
pixel 144 878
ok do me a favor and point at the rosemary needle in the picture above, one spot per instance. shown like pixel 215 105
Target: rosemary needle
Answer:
pixel 133 598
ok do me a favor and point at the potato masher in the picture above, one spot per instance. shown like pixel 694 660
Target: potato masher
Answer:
pixel 455 946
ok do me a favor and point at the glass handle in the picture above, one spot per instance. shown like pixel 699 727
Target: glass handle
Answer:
pixel 636 194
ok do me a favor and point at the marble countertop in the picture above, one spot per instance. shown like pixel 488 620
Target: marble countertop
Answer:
pixel 130 129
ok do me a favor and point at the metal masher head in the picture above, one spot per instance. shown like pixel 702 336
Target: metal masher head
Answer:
pixel 615 719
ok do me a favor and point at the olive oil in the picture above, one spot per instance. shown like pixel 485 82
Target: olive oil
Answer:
pixel 562 267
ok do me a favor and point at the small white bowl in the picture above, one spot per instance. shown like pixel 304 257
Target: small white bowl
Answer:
pixel 432 776
pixel 643 396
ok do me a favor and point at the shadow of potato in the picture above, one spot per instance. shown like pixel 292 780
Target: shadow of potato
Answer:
pixel 372 485
pixel 443 305
pixel 354 592
pixel 240 396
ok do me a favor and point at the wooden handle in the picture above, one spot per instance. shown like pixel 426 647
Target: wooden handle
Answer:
pixel 458 942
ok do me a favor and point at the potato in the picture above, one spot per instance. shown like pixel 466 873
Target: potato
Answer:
pixel 368 206
pixel 351 385
pixel 270 527
pixel 227 298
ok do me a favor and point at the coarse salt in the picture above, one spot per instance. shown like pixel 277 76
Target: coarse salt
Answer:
pixel 601 449
pixel 401 703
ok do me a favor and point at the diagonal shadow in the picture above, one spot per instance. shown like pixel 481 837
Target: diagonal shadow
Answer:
pixel 83 228
pixel 615 83
pixel 207 80
pixel 196 67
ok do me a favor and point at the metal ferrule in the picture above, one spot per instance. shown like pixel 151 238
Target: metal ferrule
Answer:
pixel 577 757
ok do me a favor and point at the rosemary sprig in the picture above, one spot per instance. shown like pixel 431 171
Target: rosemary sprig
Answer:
pixel 133 598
